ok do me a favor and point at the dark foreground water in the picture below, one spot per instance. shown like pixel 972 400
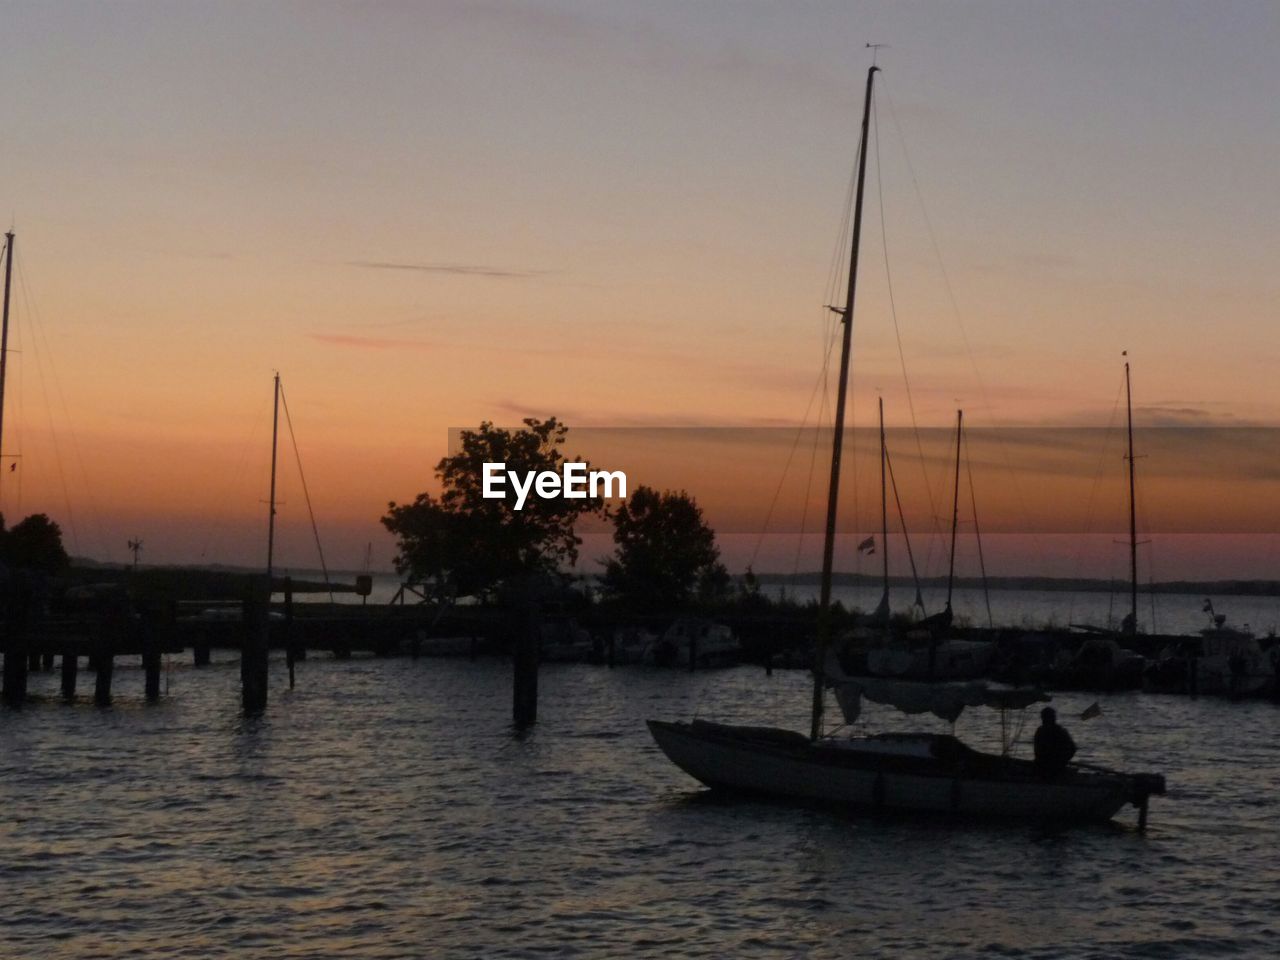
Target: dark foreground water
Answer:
pixel 385 809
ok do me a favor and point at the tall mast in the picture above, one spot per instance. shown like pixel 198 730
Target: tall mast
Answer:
pixel 955 511
pixel 1133 514
pixel 4 330
pixel 271 516
pixel 837 441
pixel 884 508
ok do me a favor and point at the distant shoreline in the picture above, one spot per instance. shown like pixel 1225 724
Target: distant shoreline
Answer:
pixel 1241 588
pixel 1233 587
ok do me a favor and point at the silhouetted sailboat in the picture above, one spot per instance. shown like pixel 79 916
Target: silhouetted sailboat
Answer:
pixel 917 772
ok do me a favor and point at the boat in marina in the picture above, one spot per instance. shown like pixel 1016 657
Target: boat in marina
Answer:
pixel 927 650
pixel 908 773
pixel 693 640
pixel 924 773
pixel 1221 661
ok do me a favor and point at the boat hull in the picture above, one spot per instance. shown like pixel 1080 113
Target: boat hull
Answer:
pixel 782 764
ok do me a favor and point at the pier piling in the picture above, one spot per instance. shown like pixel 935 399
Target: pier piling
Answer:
pixel 149 639
pixel 525 680
pixel 70 667
pixel 104 664
pixel 253 654
pixel 15 672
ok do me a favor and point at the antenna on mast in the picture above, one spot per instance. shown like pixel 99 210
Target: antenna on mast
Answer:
pixel 875 51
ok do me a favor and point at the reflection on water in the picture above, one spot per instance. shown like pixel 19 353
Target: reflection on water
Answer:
pixel 386 809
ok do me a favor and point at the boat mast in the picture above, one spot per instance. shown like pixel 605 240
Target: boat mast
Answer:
pixel 837 441
pixel 4 330
pixel 271 515
pixel 884 510
pixel 955 512
pixel 1133 514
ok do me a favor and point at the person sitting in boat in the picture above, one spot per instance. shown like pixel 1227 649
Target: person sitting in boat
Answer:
pixel 1054 747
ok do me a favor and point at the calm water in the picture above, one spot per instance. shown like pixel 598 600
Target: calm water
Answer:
pixel 1170 613
pixel 385 809
pixel 1163 613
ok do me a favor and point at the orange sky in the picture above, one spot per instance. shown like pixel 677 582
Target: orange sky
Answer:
pixel 428 217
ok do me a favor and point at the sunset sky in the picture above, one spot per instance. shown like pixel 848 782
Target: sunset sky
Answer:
pixel 425 215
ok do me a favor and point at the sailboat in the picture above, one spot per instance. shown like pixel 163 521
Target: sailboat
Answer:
pixel 1102 662
pixel 910 773
pixel 925 652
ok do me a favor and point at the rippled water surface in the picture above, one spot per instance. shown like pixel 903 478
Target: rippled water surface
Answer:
pixel 385 808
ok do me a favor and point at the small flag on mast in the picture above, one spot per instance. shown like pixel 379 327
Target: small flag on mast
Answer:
pixel 868 545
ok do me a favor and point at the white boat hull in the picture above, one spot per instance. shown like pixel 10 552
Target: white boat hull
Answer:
pixel 879 775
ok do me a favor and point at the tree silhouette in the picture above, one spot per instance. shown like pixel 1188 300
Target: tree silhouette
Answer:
pixel 469 544
pixel 34 543
pixel 666 552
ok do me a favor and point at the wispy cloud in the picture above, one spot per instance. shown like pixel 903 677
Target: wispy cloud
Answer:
pixel 372 343
pixel 599 417
pixel 449 269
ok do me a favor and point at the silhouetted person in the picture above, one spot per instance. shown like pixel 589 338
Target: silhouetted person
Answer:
pixel 1053 745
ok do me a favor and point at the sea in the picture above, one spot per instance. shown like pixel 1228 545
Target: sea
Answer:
pixel 386 808
pixel 1162 613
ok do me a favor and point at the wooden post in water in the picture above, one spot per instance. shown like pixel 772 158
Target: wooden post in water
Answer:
pixel 70 667
pixel 200 649
pixel 104 662
pixel 253 654
pixel 693 651
pixel 151 667
pixel 148 633
pixel 525 682
pixel 48 657
pixel 34 658
pixel 15 652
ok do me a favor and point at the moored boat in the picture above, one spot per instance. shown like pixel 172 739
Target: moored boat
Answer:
pixel 910 773
pixel 907 773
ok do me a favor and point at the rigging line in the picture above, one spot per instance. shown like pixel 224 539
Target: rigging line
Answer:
pixel 897 331
pixel 40 327
pixel 808 489
pixel 951 298
pixel 906 537
pixel 1144 529
pixel 804 420
pixel 977 532
pixel 836 266
pixel 48 409
pixel 1093 491
pixel 305 493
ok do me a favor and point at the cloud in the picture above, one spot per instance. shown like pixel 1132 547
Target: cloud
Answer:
pixel 449 269
pixel 372 343
pixel 610 419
